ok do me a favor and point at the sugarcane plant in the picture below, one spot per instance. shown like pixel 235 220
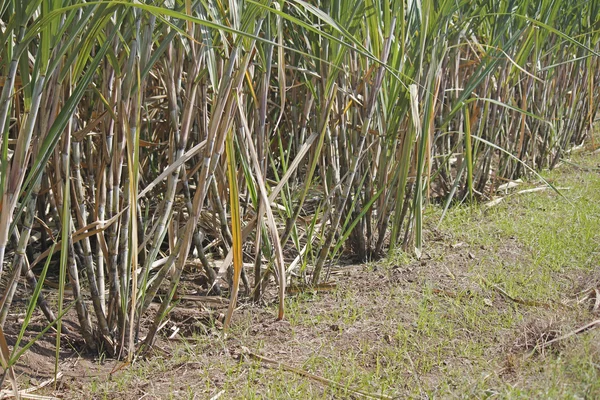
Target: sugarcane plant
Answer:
pixel 279 135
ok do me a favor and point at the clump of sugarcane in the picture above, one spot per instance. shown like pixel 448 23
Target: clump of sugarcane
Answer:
pixel 280 135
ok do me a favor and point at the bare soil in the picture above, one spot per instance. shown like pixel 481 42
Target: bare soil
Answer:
pixel 294 344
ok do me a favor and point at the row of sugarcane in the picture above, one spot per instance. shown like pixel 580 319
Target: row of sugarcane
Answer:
pixel 138 134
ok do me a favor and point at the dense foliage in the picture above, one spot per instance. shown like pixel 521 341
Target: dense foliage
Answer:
pixel 280 133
